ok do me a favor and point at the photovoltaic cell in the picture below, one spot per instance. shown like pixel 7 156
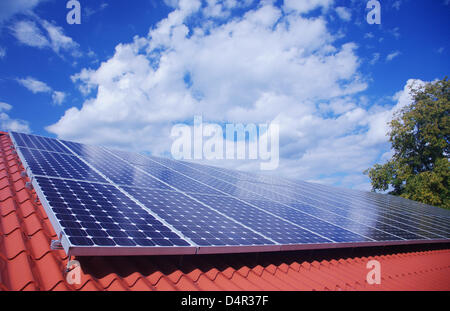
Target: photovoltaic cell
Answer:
pixel 41 143
pixel 403 230
pixel 203 225
pixel 98 214
pixel 115 202
pixel 208 179
pixel 174 178
pixel 58 165
pixel 386 201
pixel 279 230
pixel 379 231
pixel 309 222
pixel 366 215
pixel 120 172
pixel 146 175
pixel 383 214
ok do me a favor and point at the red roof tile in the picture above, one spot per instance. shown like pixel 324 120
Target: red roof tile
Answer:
pixel 28 263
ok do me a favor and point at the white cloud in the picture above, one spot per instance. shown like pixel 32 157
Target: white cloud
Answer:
pixel 9 8
pixel 375 58
pixel 392 55
pixel 88 11
pixel 403 97
pixel 396 5
pixel 218 8
pixel 261 67
pixel 34 85
pixel 5 106
pixel 9 124
pixel 171 3
pixel 36 32
pixel 344 13
pixel 58 97
pixel 28 33
pixel 305 6
pixel 395 32
pixel 58 40
pixel 37 86
pixel 2 52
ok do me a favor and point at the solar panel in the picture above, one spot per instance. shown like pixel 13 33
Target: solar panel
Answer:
pixel 38 142
pixel 58 165
pixel 119 172
pixel 110 202
pixel 203 225
pixel 387 219
pixel 93 214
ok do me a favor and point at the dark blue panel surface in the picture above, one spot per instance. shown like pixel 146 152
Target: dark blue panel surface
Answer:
pixel 380 225
pixel 311 223
pixel 169 176
pixel 98 214
pixel 120 172
pixel 295 216
pixel 277 229
pixel 375 216
pixel 106 198
pixel 61 165
pixel 228 187
pixel 415 225
pixel 238 190
pixel 37 142
pixel 201 224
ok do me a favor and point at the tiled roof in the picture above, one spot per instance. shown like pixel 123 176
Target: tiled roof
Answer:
pixel 28 263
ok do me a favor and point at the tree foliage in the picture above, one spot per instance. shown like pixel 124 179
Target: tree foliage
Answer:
pixel 419 134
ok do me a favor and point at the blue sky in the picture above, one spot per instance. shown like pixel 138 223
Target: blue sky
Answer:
pixel 127 73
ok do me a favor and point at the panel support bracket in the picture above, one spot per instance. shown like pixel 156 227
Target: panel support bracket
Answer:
pixel 57 244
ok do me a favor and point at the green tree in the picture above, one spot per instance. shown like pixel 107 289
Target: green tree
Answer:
pixel 419 134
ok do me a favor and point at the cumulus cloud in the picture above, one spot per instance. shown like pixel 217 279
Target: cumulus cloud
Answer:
pixel 9 124
pixel 348 144
pixel 403 97
pixel 260 67
pixel 36 86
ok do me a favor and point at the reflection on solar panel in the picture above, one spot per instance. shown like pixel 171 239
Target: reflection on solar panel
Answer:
pixel 109 202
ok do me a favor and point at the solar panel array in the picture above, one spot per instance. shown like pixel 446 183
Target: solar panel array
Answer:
pixel 109 202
